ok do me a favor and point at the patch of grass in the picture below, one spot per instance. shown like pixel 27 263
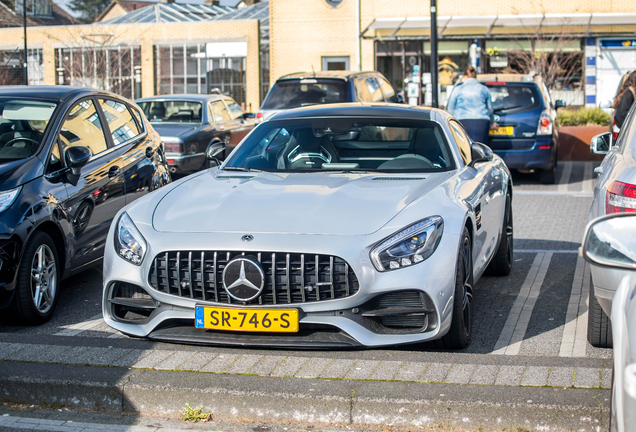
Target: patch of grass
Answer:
pixel 195 415
pixel 583 117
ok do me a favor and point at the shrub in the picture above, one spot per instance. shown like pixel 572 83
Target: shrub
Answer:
pixel 583 117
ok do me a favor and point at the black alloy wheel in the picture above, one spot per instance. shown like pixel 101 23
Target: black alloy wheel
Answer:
pixel 461 330
pixel 501 263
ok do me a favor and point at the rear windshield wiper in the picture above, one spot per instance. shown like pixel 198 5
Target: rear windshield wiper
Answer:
pixel 507 108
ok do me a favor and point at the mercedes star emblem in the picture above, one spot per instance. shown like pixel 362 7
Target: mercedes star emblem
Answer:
pixel 243 278
pixel 247 238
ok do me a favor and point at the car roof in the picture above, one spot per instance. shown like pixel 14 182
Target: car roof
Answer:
pixel 324 74
pixel 51 93
pixel 516 78
pixel 190 97
pixel 358 109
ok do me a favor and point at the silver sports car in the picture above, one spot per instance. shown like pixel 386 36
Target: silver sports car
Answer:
pixel 328 226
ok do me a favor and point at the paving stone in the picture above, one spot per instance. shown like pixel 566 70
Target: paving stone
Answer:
pixel 33 353
pixel 89 356
pixel 362 369
pixel 41 421
pixel 561 377
pixel 243 364
pixel 410 371
pixel 290 366
pixel 153 358
pixel 175 360
pixel 66 354
pixel 485 374
pixel 509 375
pixel 535 376
pixel 460 373
pixel 386 370
pixel 313 368
pixel 587 377
pixel 52 428
pixel 435 372
pixel 220 363
pixel 266 365
pixel 11 348
pixel 132 357
pixel 338 368
pixel 109 358
pixel 197 361
pixel 606 377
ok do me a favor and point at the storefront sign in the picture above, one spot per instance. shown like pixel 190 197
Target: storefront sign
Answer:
pixel 618 43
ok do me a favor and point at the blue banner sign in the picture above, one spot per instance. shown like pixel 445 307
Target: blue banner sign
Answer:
pixel 618 43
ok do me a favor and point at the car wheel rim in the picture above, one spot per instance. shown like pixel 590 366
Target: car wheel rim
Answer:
pixel 467 290
pixel 43 279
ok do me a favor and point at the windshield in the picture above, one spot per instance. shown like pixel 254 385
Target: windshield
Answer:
pixel 297 93
pixel 22 126
pixel 344 144
pixel 175 111
pixel 510 99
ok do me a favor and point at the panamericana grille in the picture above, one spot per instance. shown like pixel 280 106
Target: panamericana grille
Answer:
pixel 289 277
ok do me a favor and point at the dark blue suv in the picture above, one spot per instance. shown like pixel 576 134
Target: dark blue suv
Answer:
pixel 526 138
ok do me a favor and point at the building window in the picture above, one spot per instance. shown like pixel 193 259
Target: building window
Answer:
pixel 335 63
pixel 105 68
pixel 184 68
pixel 11 71
pixel 42 8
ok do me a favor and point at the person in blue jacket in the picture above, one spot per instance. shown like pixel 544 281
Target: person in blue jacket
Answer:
pixel 470 103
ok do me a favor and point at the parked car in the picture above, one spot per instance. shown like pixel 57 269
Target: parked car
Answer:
pixel 610 243
pixel 614 192
pixel 191 124
pixel 65 156
pixel 314 88
pixel 329 226
pixel 526 138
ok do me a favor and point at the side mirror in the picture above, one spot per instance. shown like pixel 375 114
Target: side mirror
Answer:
pixel 76 157
pixel 611 241
pixel 214 151
pixel 606 104
pixel 249 115
pixel 601 144
pixel 559 103
pixel 480 153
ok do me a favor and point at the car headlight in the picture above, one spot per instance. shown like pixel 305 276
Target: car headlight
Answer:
pixel 129 243
pixel 7 198
pixel 410 246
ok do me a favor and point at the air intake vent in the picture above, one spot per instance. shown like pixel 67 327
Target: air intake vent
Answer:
pixel 400 178
pixel 230 177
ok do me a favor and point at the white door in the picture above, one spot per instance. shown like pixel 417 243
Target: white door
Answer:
pixel 614 63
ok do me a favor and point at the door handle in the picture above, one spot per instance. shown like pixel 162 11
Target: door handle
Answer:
pixel 113 171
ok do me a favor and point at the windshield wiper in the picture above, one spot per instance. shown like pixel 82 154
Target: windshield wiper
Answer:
pixel 507 108
pixel 248 169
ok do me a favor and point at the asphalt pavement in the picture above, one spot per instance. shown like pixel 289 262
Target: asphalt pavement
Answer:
pixel 529 366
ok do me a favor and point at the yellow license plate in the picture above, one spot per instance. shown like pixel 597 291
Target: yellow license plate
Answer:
pixel 246 320
pixel 503 130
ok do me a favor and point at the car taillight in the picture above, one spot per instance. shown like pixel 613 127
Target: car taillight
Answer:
pixel 259 116
pixel 174 147
pixel 621 198
pixel 545 124
pixel 615 131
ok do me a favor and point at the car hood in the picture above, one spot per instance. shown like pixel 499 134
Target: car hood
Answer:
pixel 175 129
pixel 19 172
pixel 301 203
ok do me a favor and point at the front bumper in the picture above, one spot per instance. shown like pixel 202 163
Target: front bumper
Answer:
pixel 534 158
pixel 327 323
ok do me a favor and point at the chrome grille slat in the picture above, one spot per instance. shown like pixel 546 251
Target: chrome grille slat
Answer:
pixel 287 275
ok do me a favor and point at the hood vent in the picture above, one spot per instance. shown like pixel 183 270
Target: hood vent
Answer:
pixel 399 178
pixel 230 177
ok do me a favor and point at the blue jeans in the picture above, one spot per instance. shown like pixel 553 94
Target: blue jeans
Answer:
pixel 477 129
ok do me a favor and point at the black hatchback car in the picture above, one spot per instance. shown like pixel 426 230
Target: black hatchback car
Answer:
pixel 70 158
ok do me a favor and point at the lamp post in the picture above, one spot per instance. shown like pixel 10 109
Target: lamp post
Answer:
pixel 24 56
pixel 434 70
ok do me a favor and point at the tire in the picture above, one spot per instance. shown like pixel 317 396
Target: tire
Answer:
pixel 461 330
pixel 599 326
pixel 501 263
pixel 548 176
pixel 30 305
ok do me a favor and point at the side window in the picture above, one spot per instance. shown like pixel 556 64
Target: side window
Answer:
pixel 83 127
pixel 218 112
pixel 234 109
pixel 120 121
pixel 374 90
pixel 462 141
pixel 55 161
pixel 387 89
pixel 546 95
pixel 362 90
pixel 140 121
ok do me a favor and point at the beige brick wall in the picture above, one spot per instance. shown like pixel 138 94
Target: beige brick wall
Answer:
pixel 304 30
pixel 144 35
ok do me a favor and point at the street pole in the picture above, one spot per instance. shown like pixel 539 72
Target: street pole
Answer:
pixel 24 56
pixel 434 71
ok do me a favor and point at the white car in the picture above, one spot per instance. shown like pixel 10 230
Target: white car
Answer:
pixel 330 226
